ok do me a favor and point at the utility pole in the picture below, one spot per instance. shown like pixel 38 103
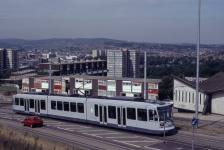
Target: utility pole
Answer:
pixel 50 78
pixel 145 70
pixel 164 131
pixel 195 120
pixel 198 47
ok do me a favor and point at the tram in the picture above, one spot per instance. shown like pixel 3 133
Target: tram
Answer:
pixel 118 112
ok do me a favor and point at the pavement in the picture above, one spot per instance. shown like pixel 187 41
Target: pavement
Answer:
pixel 210 117
pixel 6 100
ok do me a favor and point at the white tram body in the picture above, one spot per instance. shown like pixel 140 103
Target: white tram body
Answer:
pixel 139 116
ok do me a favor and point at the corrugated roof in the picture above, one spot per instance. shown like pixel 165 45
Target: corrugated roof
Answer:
pixel 214 83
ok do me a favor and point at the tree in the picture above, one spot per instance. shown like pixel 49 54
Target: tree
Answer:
pixel 166 88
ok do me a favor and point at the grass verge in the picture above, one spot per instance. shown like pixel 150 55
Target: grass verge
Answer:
pixel 11 139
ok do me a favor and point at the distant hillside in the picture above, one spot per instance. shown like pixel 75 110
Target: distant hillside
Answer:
pixel 96 43
pixel 56 43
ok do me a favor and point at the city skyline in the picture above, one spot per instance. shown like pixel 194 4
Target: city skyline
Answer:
pixel 156 21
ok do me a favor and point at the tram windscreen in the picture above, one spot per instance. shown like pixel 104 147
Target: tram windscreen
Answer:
pixel 167 111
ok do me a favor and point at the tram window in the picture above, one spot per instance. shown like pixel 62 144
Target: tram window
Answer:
pixel 131 113
pixel 151 115
pixel 53 105
pixel 16 101
pixel 42 104
pixel 142 114
pixel 21 101
pixel 112 112
pixel 66 106
pixel 59 105
pixel 73 107
pixel 80 107
pixel 31 103
pixel 96 110
pixel 155 115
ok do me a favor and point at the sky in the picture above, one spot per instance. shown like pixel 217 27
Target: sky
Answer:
pixel 154 21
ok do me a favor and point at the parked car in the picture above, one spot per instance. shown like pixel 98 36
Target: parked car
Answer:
pixel 32 121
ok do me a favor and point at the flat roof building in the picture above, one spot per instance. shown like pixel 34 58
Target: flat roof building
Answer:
pixel 8 60
pixel 88 67
pixel 123 63
pixel 93 86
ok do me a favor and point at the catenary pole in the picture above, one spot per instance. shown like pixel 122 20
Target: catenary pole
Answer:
pixel 145 70
pixel 50 77
pixel 198 47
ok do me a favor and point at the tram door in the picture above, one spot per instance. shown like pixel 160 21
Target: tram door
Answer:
pixel 26 105
pixel 37 106
pixel 103 114
pixel 121 116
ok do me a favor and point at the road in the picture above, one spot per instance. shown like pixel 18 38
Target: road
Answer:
pixel 92 137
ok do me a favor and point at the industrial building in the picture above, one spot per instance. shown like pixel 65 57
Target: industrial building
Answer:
pixel 211 97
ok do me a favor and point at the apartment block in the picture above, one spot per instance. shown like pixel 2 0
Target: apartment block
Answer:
pixel 9 60
pixel 98 53
pixel 123 63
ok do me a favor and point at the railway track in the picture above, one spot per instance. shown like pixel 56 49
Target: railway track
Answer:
pixel 202 142
pixel 80 141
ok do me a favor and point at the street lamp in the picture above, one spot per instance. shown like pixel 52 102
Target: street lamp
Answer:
pixel 195 120
pixel 198 47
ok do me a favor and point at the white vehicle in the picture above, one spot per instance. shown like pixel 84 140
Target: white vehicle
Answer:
pixel 118 112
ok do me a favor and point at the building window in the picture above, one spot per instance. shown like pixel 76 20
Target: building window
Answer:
pixel 189 97
pixel 151 86
pixel 186 97
pixel 192 97
pixel 179 95
pixel 175 95
pixel 150 96
pixel 101 92
pixel 182 96
pixel 111 93
pixel 101 82
pixel 111 83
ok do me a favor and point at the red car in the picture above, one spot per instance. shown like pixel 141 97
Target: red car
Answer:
pixel 32 121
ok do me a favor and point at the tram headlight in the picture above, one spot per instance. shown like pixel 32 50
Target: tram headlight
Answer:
pixel 161 125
